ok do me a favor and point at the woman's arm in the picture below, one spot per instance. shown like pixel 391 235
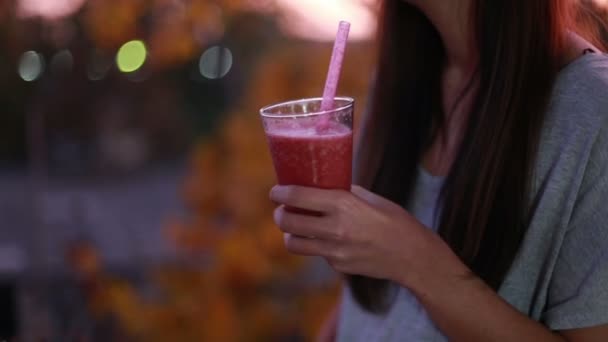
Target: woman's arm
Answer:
pixel 365 234
pixel 466 309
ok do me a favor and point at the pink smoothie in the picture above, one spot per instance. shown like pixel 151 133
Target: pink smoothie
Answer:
pixel 309 157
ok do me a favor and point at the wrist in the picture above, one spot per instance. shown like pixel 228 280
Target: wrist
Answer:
pixel 439 271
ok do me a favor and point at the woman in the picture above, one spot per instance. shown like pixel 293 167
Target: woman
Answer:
pixel 486 158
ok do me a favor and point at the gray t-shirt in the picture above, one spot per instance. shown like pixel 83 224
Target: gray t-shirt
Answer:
pixel 560 274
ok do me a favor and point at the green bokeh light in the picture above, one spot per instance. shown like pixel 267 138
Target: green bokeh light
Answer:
pixel 131 56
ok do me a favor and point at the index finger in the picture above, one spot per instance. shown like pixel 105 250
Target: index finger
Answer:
pixel 312 199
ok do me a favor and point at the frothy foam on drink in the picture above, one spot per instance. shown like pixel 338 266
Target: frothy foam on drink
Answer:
pixel 331 130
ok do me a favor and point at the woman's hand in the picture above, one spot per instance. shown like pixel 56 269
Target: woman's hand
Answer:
pixel 361 233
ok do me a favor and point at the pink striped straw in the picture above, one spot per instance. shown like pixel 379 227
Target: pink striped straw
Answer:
pixel 335 66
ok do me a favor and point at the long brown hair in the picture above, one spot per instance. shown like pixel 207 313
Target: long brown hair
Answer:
pixel 484 199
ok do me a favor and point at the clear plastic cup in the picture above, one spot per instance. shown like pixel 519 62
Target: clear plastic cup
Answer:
pixel 311 147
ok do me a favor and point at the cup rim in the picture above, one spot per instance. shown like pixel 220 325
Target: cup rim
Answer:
pixel 350 103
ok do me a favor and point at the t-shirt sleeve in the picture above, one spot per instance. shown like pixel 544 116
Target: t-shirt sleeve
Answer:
pixel 578 293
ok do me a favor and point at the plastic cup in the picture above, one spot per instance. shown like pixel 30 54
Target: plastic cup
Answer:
pixel 302 153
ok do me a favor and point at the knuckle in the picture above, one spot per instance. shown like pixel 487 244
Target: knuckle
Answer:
pixel 337 265
pixel 338 255
pixel 339 233
pixel 346 204
pixel 333 199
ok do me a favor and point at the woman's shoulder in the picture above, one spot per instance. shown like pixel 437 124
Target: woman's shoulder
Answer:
pixel 575 129
pixel 584 81
pixel 579 101
pixel 593 65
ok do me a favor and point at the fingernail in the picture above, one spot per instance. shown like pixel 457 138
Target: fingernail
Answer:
pixel 272 192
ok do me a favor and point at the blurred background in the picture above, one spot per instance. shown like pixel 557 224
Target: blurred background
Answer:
pixel 134 170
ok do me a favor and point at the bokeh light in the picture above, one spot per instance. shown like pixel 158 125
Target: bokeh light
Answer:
pixel 216 62
pixel 318 19
pixel 131 56
pixel 50 9
pixel 62 62
pixel 31 66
